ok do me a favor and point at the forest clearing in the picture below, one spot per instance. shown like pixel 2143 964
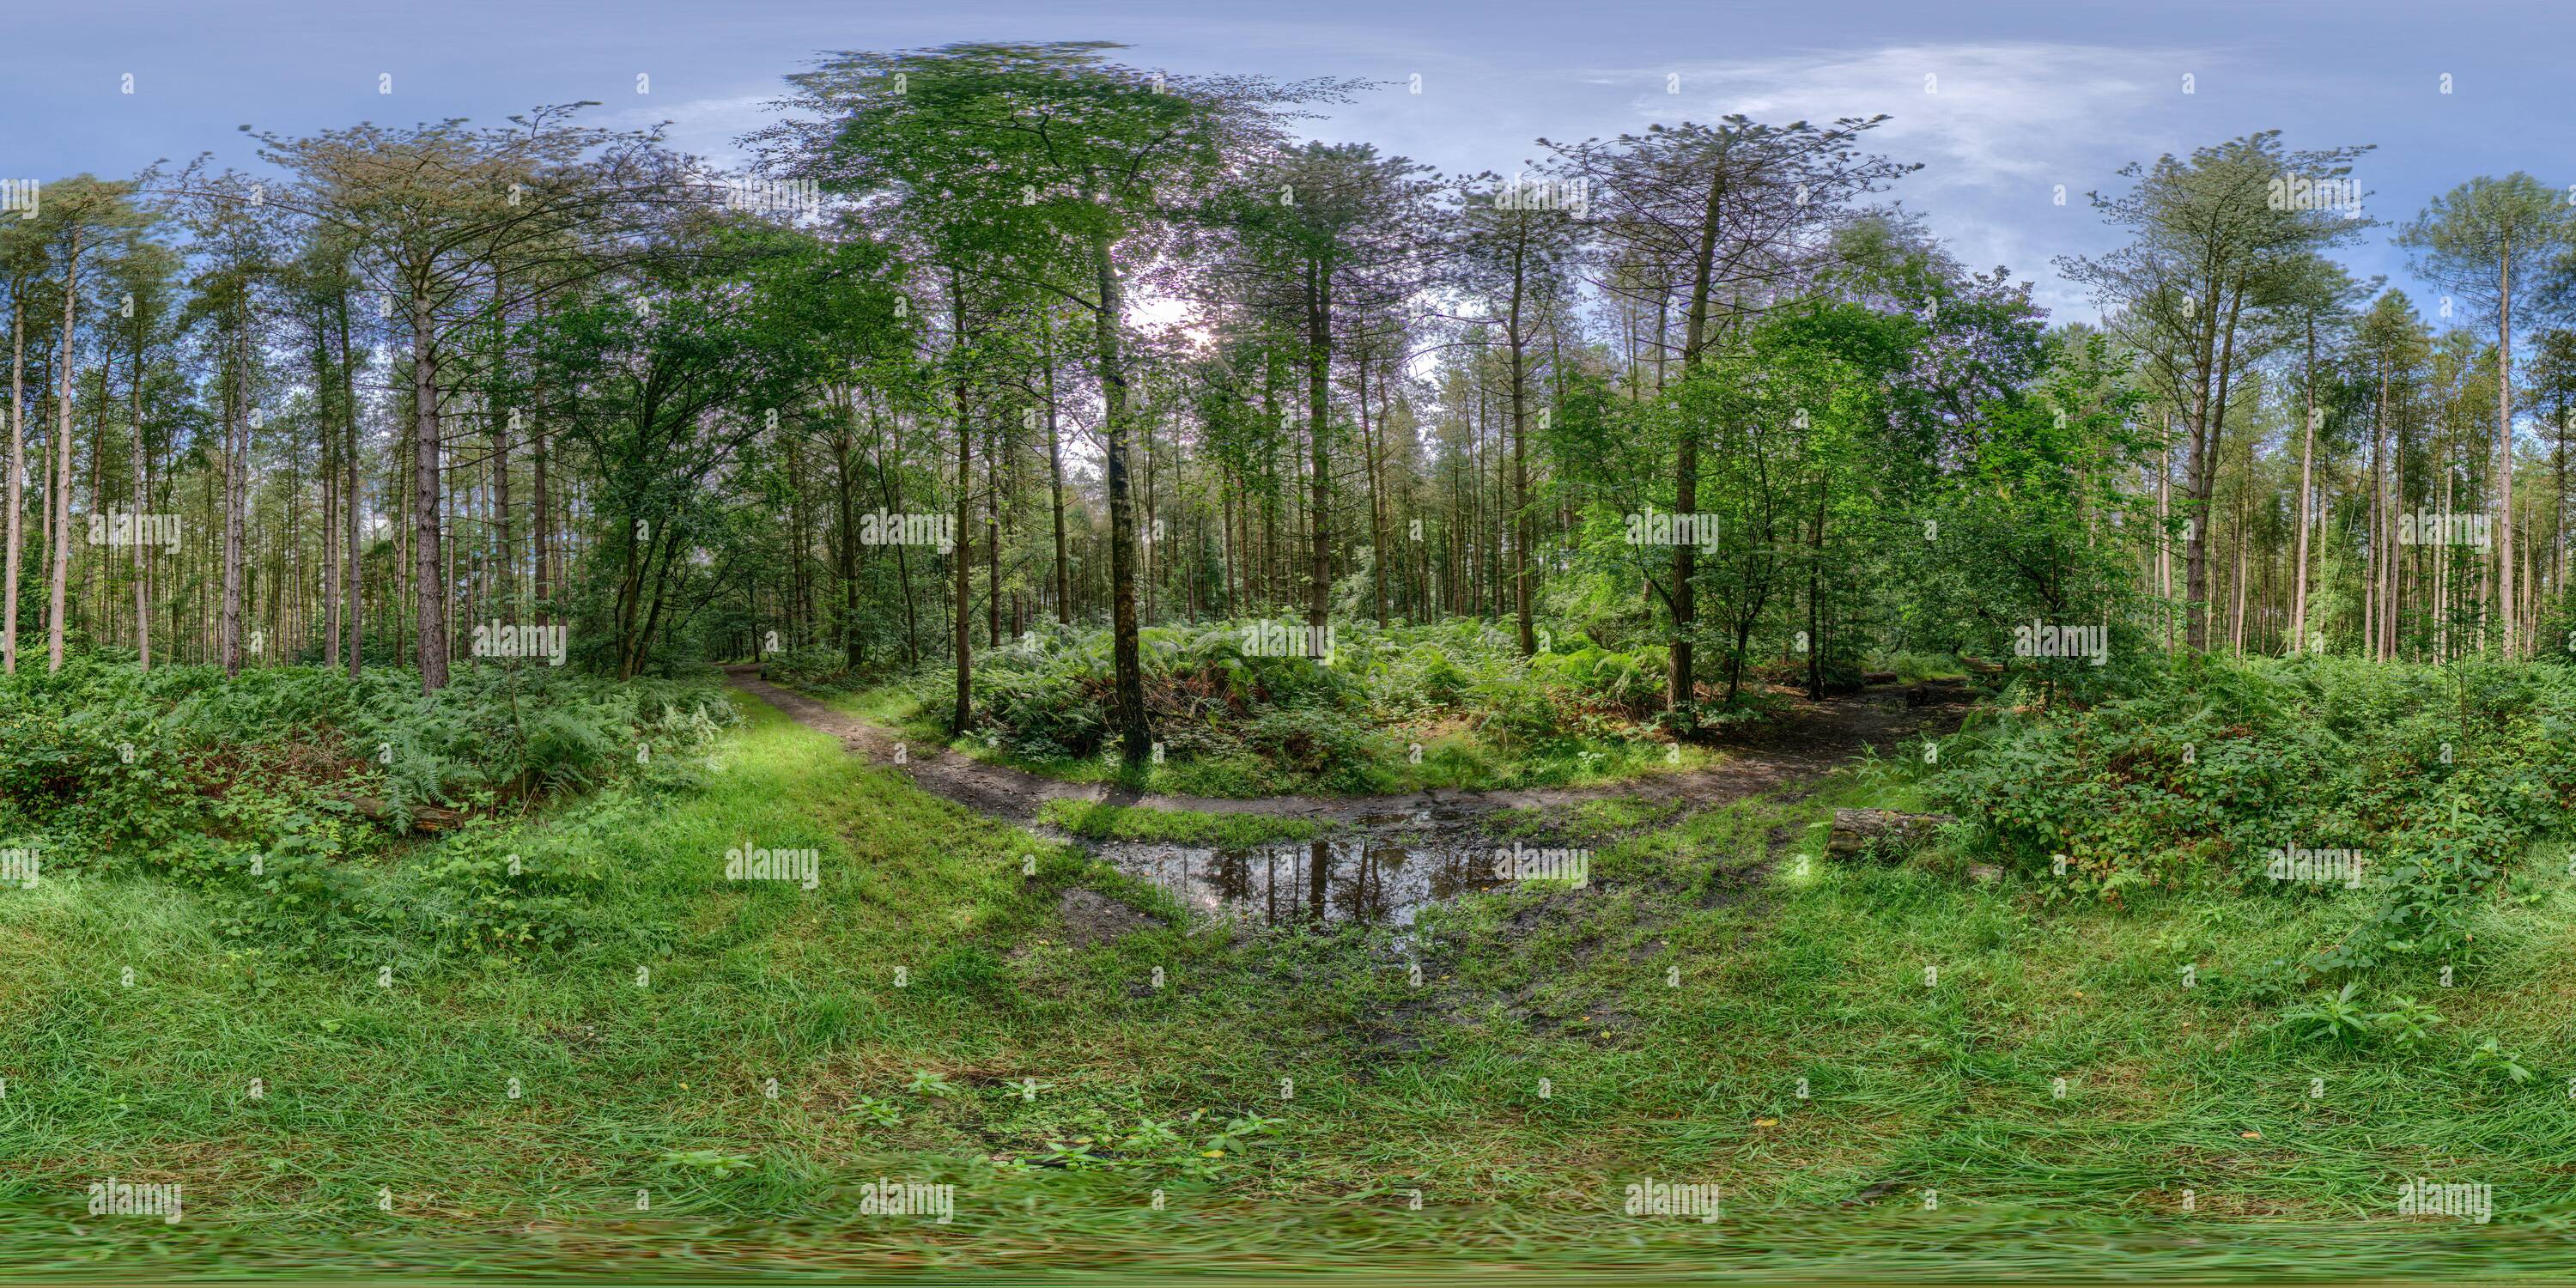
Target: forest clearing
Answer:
pixel 943 656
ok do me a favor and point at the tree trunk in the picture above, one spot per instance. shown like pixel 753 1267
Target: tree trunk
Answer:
pixel 1679 696
pixel 429 585
pixel 2504 603
pixel 2307 453
pixel 1055 473
pixel 846 556
pixel 1319 363
pixel 142 560
pixel 61 501
pixel 1130 702
pixel 1520 454
pixel 17 467
pixel 962 716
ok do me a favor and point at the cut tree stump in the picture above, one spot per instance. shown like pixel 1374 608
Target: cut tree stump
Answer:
pixel 1886 832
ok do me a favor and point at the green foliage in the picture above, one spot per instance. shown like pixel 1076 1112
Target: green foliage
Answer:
pixel 1238 719
pixel 2332 1017
pixel 257 792
pixel 96 755
pixel 2434 776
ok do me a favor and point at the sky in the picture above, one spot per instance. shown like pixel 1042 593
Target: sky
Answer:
pixel 2002 103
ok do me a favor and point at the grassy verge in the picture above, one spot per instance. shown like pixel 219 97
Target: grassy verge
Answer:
pixel 923 1015
pixel 1097 821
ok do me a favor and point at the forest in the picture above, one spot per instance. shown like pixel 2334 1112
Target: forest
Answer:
pixel 1116 685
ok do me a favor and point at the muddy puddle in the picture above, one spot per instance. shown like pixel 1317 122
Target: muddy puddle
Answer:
pixel 1381 876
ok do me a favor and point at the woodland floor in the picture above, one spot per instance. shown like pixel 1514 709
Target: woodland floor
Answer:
pixel 1804 743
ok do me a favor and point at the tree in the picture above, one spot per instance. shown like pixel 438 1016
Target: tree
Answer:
pixel 1045 164
pixel 21 251
pixel 2316 295
pixel 2208 233
pixel 1328 233
pixel 1514 245
pixel 450 217
pixel 2480 239
pixel 85 214
pixel 1699 212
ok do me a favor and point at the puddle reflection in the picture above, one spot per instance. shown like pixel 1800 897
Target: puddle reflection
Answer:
pixel 1366 880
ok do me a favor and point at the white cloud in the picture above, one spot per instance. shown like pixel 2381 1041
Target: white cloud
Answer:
pixel 2001 125
pixel 705 127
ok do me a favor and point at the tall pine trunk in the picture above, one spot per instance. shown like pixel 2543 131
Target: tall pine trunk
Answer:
pixel 429 582
pixel 61 501
pixel 961 621
pixel 17 467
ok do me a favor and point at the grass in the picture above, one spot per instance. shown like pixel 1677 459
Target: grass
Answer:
pixel 1561 1045
pixel 1100 821
pixel 1598 816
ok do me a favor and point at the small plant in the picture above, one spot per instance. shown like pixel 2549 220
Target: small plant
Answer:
pixel 714 1164
pixel 883 1113
pixel 2407 1022
pixel 926 1083
pixel 2333 1017
pixel 2493 1061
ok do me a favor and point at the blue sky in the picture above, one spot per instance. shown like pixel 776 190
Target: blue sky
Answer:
pixel 2025 95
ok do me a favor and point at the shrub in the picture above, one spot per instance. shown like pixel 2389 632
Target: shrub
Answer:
pixel 2435 774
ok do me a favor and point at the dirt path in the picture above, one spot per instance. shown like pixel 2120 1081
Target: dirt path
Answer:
pixel 1804 744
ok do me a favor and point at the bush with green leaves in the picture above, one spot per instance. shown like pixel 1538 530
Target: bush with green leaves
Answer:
pixel 1211 692
pixel 2440 777
pixel 259 791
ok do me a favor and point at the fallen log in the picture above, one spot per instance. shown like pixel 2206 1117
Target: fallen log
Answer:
pixel 1878 677
pixel 1886 833
pixel 424 818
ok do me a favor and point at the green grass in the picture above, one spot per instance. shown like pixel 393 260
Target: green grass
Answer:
pixel 1671 1011
pixel 1599 816
pixel 1099 821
